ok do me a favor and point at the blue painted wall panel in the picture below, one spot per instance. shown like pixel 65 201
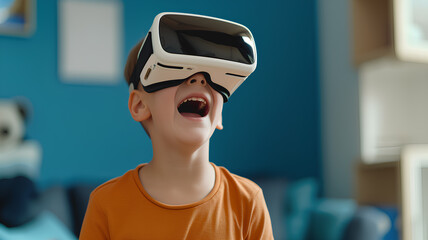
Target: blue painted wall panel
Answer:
pixel 271 122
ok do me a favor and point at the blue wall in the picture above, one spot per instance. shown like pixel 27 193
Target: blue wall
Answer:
pixel 271 123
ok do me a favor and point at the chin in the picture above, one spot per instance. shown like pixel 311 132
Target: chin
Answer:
pixel 196 137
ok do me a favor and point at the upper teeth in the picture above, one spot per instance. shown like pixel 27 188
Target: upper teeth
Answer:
pixel 195 99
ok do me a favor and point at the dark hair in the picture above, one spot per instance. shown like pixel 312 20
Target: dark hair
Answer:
pixel 131 61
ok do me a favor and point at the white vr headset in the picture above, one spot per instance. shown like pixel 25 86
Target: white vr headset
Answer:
pixel 179 45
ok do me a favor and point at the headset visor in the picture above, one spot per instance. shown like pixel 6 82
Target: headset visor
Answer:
pixel 198 36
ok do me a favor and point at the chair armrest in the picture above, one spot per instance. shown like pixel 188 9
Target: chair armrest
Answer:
pixel 368 223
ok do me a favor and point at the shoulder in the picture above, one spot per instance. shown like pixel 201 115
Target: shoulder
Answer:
pixel 116 186
pixel 246 199
pixel 238 184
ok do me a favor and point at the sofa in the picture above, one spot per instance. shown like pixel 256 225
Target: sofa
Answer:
pixel 296 211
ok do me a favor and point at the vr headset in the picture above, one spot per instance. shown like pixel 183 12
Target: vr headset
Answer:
pixel 179 45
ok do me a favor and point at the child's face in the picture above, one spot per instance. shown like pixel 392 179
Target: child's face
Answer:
pixel 188 113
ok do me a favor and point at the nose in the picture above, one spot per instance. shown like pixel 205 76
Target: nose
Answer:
pixel 197 80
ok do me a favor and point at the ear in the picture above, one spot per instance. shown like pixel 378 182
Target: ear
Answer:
pixel 138 106
pixel 24 107
pixel 220 123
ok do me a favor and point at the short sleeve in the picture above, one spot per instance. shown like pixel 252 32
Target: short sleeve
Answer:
pixel 95 226
pixel 260 226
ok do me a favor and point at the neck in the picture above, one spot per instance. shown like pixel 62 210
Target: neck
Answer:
pixel 178 174
pixel 177 164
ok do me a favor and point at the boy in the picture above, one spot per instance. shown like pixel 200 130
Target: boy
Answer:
pixel 179 194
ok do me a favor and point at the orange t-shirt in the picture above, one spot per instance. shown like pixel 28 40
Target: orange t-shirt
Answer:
pixel 121 209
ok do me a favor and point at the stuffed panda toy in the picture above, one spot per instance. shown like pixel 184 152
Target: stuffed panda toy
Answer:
pixel 19 166
pixel 18 156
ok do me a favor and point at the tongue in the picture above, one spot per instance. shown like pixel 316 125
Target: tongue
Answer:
pixel 194 115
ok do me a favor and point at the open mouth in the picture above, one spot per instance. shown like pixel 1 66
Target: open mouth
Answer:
pixel 193 107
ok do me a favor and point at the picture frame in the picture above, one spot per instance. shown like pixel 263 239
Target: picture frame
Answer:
pixel 411 31
pixel 414 180
pixel 17 17
pixel 90 48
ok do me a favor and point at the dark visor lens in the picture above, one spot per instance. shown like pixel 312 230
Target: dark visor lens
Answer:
pixel 198 36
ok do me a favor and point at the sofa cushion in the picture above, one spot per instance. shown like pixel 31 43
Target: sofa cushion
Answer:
pixel 55 200
pixel 274 193
pixel 300 198
pixel 79 199
pixel 369 223
pixel 330 218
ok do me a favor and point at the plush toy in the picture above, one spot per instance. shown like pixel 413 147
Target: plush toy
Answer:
pixel 19 166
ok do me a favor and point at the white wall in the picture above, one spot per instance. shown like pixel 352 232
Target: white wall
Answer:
pixel 339 96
